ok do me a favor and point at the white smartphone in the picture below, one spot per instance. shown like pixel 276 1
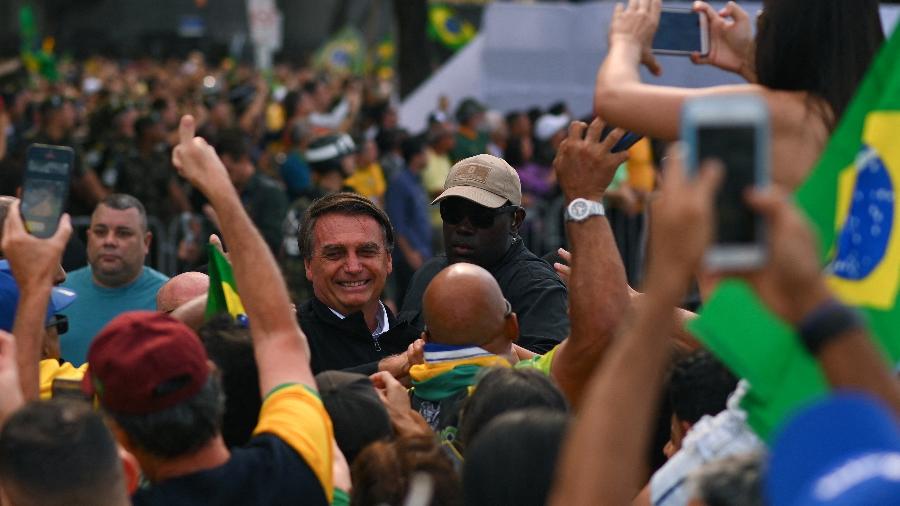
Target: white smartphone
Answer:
pixel 735 130
pixel 681 32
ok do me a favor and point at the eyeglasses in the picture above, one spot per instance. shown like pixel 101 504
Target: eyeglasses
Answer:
pixel 61 322
pixel 454 211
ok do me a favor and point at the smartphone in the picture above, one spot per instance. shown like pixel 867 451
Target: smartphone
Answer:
pixel 681 32
pixel 46 187
pixel 735 130
pixel 627 140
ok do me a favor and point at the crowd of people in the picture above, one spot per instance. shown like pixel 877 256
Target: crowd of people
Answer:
pixel 391 337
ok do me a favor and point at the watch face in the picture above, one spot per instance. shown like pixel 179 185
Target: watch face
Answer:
pixel 578 209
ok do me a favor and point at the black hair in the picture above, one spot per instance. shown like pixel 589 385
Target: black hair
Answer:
pixel 514 154
pixel 60 453
pixel 345 203
pixel 124 201
pixel 411 147
pixel 234 143
pixel 390 139
pixel 143 124
pixel 699 385
pixel 503 389
pixel 181 429
pixel 513 460
pixel 230 346
pixel 823 48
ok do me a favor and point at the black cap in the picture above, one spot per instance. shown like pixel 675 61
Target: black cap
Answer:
pixel 357 414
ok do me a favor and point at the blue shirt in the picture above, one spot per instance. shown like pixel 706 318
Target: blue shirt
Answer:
pixel 97 305
pixel 407 207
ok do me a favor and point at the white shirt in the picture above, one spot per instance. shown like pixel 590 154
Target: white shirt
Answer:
pixel 382 324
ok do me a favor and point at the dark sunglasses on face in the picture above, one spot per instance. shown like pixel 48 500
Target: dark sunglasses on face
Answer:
pixel 453 213
pixel 61 322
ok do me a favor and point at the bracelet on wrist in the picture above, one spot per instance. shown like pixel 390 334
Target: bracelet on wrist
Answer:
pixel 825 323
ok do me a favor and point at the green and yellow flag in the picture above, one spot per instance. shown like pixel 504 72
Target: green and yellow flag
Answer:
pixel 447 27
pixel 344 53
pixel 851 200
pixel 223 296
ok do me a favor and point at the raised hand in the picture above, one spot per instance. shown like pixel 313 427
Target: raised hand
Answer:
pixel 584 165
pixel 791 282
pixel 34 261
pixel 731 43
pixel 683 218
pixel 637 24
pixel 198 162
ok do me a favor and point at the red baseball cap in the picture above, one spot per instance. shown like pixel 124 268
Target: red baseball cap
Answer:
pixel 143 362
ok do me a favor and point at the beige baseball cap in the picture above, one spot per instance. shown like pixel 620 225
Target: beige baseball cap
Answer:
pixel 484 179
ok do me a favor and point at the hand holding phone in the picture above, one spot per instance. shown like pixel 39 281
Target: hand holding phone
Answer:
pixel 46 187
pixel 627 140
pixel 731 43
pixel 734 130
pixel 681 32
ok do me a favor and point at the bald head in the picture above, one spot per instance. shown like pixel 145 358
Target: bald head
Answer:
pixel 463 305
pixel 180 289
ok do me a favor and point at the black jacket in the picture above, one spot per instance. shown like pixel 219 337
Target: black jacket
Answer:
pixel 537 296
pixel 348 344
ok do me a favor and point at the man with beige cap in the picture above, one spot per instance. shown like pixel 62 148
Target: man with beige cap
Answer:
pixel 481 212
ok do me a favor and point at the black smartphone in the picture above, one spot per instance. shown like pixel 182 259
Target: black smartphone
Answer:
pixel 681 32
pixel 45 190
pixel 627 140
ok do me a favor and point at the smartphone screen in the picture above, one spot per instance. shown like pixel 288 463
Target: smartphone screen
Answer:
pixel 46 188
pixel 735 147
pixel 678 32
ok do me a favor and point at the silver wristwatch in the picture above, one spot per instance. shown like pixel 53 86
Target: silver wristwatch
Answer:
pixel 582 209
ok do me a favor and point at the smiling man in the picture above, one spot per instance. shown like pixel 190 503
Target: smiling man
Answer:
pixel 346 244
pixel 115 279
pixel 481 212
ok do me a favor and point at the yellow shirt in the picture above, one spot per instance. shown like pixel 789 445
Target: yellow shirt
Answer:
pixel 641 175
pixel 435 174
pixel 368 181
pixel 51 370
pixel 295 414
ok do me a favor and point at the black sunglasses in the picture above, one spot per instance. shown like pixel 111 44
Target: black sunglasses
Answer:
pixel 61 322
pixel 453 213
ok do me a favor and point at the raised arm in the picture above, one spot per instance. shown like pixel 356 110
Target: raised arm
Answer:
pixel 35 264
pixel 793 286
pixel 620 98
pixel 598 295
pixel 603 454
pixel 282 353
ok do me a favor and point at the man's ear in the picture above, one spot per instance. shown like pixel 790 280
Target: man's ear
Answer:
pixel 309 275
pixel 148 238
pixel 511 327
pixel 131 470
pixel 518 219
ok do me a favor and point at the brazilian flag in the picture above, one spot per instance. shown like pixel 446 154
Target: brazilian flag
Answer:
pixel 344 53
pixel 851 200
pixel 222 296
pixel 383 58
pixel 447 27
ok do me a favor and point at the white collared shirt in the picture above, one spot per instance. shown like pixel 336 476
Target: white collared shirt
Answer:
pixel 382 324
